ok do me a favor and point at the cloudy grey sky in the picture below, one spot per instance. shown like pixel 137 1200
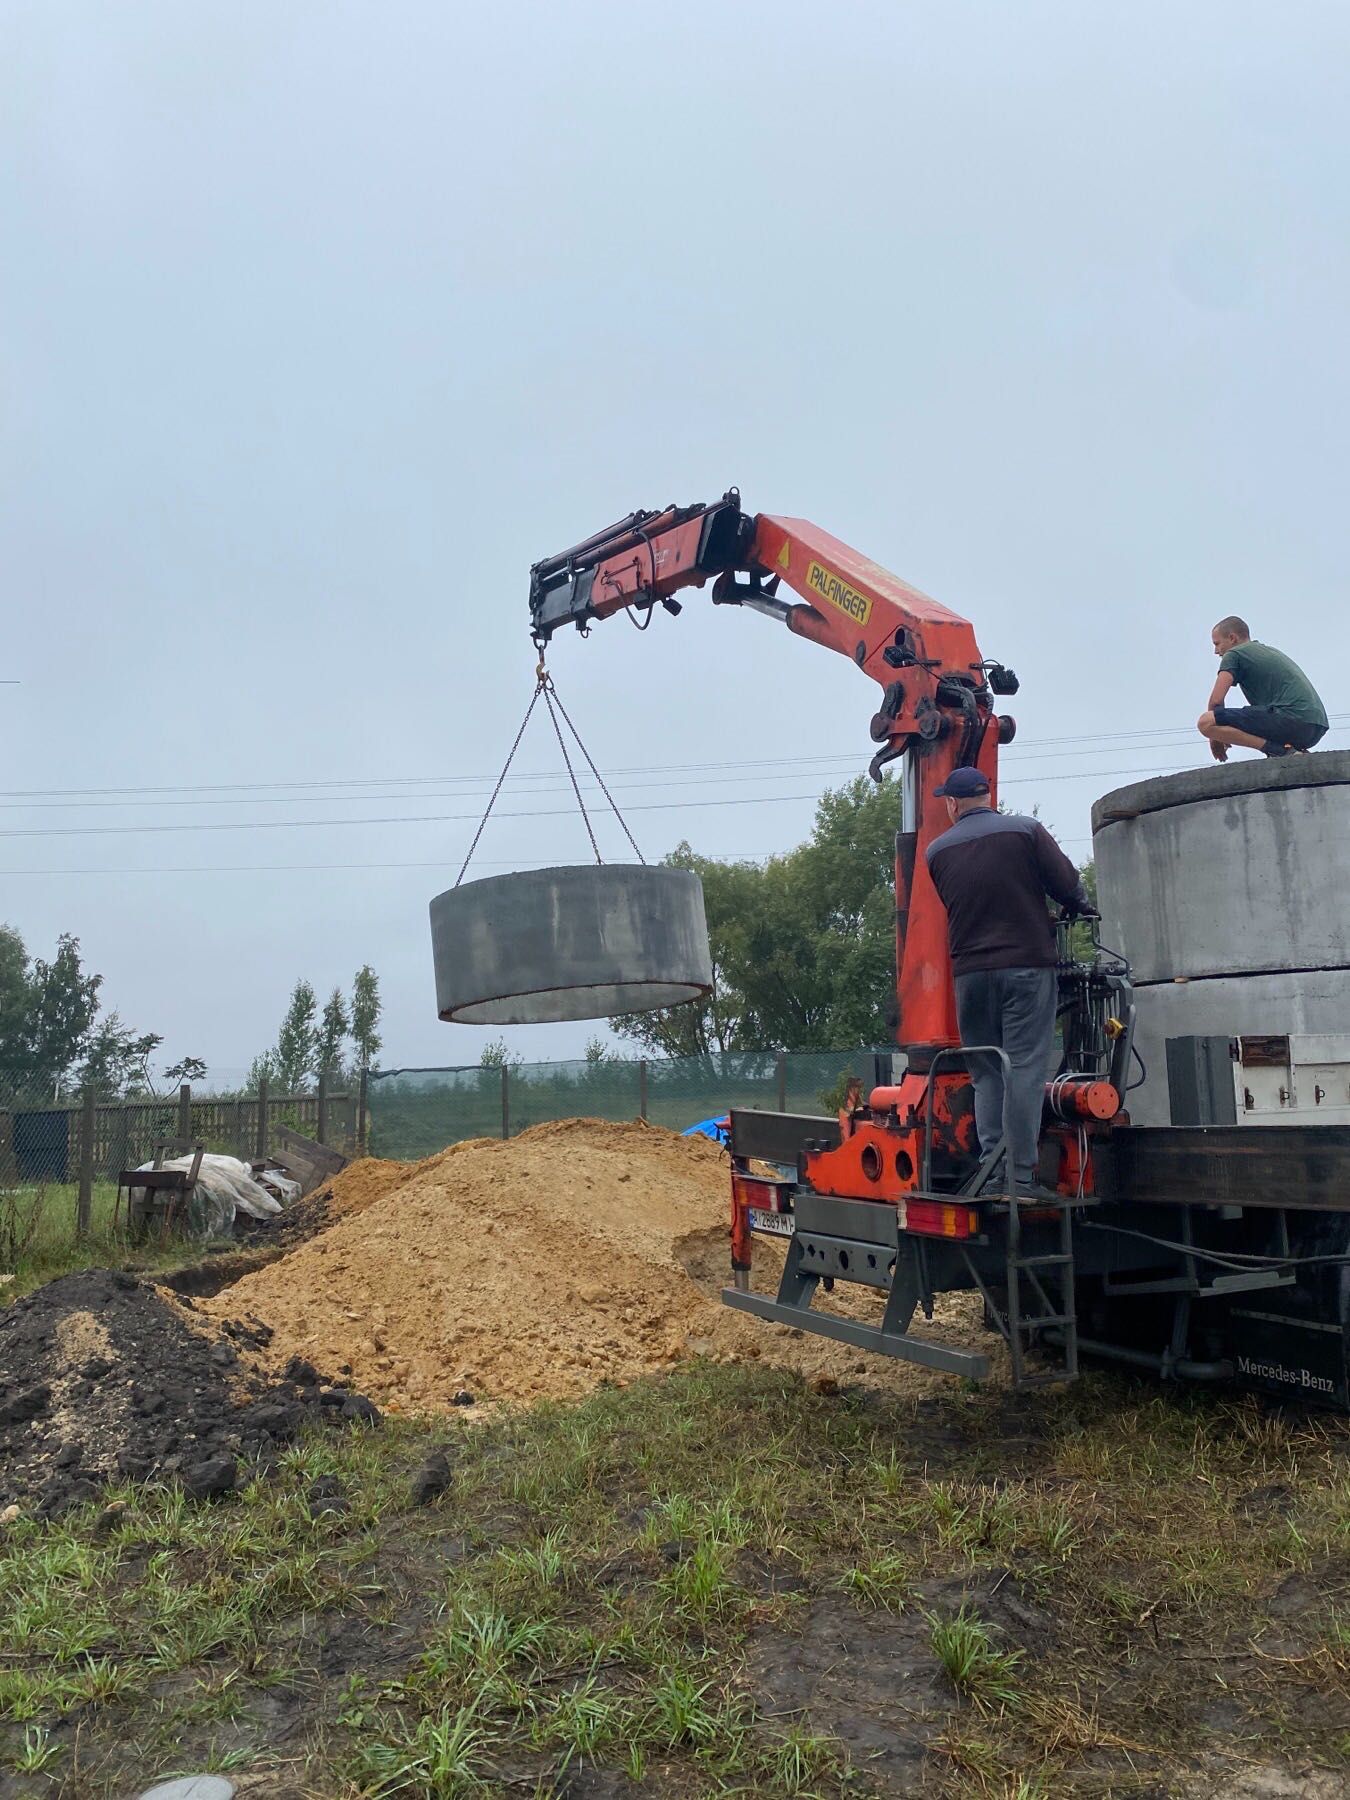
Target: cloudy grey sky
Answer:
pixel 320 321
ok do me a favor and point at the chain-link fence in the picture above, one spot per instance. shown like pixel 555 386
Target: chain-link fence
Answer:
pixel 61 1154
pixel 416 1112
pixel 43 1139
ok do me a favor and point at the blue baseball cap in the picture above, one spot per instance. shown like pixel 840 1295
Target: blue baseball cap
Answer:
pixel 962 784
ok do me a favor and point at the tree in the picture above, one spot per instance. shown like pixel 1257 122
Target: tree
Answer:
pixel 332 1034
pixel 1081 931
pixel 189 1069
pixel 730 893
pixel 14 997
pixel 293 1057
pixel 596 1052
pixel 116 1060
pixel 495 1055
pixel 803 949
pixel 65 1002
pixel 365 1015
pixel 46 1012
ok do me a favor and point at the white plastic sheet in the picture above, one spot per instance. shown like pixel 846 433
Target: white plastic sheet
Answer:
pixel 224 1187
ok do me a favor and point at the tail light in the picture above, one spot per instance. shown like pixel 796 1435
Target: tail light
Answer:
pixel 749 1190
pixel 935 1218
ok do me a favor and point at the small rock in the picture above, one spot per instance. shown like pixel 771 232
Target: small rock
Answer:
pixel 303 1374
pixel 96 1368
pixel 191 1787
pixel 68 1455
pixel 327 1495
pixel 332 1396
pixel 26 1405
pixel 208 1480
pixel 279 1422
pixel 131 1467
pixel 224 1356
pixel 825 1384
pixel 358 1407
pixel 431 1480
pixel 110 1518
pixel 10 1514
pixel 462 1397
pixel 60 1496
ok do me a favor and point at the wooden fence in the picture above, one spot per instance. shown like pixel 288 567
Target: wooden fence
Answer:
pixel 100 1138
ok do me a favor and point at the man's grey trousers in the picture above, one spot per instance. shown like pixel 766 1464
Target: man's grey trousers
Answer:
pixel 1014 1009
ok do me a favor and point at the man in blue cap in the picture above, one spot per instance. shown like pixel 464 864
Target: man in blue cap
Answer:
pixel 994 872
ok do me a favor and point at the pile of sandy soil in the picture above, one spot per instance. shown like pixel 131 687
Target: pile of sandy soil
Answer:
pixel 361 1183
pixel 578 1252
pixel 372 1178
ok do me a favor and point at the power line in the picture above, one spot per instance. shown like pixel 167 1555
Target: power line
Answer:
pixel 1009 781
pixel 28 831
pixel 1073 746
pixel 793 772
pixel 447 864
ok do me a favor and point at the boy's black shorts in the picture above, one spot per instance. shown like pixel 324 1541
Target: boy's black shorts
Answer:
pixel 1278 729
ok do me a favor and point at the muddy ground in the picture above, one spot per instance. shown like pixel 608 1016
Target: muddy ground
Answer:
pixel 716 1582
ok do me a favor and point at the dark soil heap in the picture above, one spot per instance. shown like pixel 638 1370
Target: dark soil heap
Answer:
pixel 102 1378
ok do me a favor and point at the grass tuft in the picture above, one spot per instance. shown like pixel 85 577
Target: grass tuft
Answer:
pixel 976 1668
pixel 443 1756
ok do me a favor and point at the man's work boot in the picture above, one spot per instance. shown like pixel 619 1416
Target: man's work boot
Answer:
pixel 1038 1193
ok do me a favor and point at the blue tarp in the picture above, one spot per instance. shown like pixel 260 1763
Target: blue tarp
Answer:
pixel 717 1129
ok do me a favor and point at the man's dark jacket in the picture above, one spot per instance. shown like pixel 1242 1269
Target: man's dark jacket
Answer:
pixel 992 872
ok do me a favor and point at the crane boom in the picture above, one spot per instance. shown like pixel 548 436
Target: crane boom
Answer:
pixel 936 710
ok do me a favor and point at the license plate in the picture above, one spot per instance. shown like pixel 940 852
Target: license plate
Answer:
pixel 775 1223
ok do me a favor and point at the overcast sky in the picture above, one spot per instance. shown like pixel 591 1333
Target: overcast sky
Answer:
pixel 320 322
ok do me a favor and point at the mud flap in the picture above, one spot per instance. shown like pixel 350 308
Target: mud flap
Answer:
pixel 1296 1343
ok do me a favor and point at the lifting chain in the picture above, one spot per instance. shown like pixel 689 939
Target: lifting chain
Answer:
pixel 543 684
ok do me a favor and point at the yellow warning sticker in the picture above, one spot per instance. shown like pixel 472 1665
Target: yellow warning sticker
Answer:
pixel 783 555
pixel 836 590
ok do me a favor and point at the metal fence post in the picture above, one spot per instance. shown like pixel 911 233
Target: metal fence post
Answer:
pixel 321 1129
pixel 262 1116
pixel 506 1101
pixel 85 1203
pixel 185 1112
pixel 642 1088
pixel 361 1100
pixel 782 1081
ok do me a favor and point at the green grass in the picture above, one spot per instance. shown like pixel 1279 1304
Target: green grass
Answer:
pixel 965 1647
pixel 38 1239
pixel 1072 1584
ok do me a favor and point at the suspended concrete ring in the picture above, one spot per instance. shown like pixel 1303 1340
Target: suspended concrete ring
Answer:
pixel 571 943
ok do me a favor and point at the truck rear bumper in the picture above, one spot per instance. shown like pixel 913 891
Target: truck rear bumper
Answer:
pixel 946 1357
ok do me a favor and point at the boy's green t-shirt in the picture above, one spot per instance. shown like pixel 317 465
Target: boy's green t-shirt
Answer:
pixel 1271 679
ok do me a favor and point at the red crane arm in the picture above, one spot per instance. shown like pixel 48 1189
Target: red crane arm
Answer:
pixel 936 708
